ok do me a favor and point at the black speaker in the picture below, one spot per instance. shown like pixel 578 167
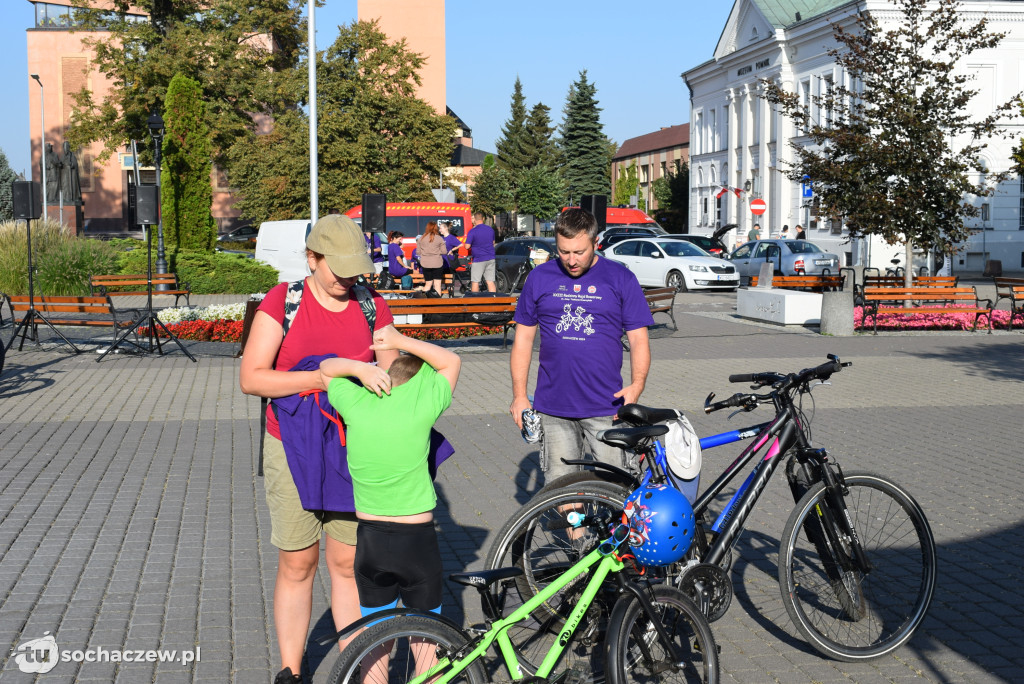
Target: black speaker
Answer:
pixel 147 205
pixel 598 206
pixel 375 218
pixel 27 199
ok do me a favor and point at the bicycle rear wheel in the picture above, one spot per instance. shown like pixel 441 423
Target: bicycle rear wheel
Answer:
pixel 398 649
pixel 842 612
pixel 635 653
pixel 541 540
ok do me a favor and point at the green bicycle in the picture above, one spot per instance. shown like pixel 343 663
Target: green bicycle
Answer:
pixel 655 632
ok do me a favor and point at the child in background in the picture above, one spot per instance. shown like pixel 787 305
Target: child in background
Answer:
pixel 398 267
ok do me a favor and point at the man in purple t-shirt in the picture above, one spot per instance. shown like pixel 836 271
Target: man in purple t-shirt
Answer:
pixel 480 243
pixel 582 304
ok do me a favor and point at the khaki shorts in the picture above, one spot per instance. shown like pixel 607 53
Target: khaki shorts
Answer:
pixel 482 270
pixel 291 526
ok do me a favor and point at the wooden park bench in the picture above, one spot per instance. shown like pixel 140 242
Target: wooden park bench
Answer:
pixel 660 300
pixel 454 312
pixel 70 311
pixel 1012 290
pixel 810 283
pixel 918 281
pixel 137 284
pixel 915 300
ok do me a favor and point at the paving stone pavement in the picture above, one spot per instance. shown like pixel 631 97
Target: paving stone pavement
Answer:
pixel 131 518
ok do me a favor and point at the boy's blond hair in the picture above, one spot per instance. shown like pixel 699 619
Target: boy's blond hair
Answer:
pixel 404 368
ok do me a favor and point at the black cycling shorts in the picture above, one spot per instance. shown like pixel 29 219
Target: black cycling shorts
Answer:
pixel 398 560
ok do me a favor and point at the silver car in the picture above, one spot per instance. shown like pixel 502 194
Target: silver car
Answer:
pixel 791 257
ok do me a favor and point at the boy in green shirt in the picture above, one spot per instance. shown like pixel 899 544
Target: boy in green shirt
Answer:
pixel 387 433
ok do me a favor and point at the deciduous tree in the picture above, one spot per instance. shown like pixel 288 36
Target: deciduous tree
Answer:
pixel 242 52
pixel 673 194
pixel 900 156
pixel 374 135
pixel 540 192
pixel 627 184
pixel 493 191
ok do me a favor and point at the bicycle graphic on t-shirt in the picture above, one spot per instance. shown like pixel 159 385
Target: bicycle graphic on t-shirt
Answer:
pixel 576 321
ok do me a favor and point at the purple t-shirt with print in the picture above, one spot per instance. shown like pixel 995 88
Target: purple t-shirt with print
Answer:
pixel 451 242
pixel 480 240
pixel 581 321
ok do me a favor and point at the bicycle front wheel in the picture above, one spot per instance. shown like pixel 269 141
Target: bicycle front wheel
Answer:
pixel 842 612
pixel 548 535
pixel 635 652
pixel 399 649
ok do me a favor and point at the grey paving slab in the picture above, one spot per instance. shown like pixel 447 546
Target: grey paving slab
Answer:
pixel 131 518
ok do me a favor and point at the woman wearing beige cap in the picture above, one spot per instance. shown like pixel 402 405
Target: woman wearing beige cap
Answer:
pixel 328 321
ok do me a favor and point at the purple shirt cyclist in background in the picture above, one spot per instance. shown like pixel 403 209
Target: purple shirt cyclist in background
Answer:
pixel 582 304
pixel 451 244
pixel 480 242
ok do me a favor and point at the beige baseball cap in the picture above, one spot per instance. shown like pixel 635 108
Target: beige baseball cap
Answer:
pixel 341 242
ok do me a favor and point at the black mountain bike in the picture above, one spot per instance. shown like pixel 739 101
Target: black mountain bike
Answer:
pixel 857 559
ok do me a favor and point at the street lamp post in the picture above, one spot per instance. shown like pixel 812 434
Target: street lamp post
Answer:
pixel 42 139
pixel 156 129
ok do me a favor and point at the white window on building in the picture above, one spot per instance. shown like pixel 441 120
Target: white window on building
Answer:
pixel 805 98
pixel 1020 215
pixel 698 138
pixel 828 87
pixel 714 130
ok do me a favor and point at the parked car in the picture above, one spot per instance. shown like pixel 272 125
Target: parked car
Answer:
pixel 791 257
pixel 711 245
pixel 664 261
pixel 514 257
pixel 240 234
pixel 626 231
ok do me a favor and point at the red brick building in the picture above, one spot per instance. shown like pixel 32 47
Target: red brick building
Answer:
pixel 655 155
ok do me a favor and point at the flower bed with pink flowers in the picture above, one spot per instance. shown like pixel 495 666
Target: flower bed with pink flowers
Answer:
pixel 931 318
pixel 231 331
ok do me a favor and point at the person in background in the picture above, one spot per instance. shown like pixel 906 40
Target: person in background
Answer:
pixel 480 243
pixel 784 235
pixel 375 250
pixel 800 234
pixel 431 249
pixel 398 267
pixel 754 233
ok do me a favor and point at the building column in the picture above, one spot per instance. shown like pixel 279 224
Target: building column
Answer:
pixel 729 179
pixel 764 163
pixel 747 126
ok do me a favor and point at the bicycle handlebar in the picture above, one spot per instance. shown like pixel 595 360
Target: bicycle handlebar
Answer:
pixel 779 382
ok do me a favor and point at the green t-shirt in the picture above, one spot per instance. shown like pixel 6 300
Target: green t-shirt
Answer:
pixel 388 439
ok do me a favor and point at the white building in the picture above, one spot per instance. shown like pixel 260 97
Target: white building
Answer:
pixel 739 140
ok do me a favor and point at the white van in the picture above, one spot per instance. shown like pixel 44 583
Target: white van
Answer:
pixel 282 244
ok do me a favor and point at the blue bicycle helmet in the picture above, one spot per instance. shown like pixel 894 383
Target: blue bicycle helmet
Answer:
pixel 660 523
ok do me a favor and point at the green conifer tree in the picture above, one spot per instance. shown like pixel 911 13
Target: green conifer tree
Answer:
pixel 7 176
pixel 186 195
pixel 540 143
pixel 513 144
pixel 586 150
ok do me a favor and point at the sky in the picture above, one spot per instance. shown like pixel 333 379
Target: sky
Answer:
pixel 633 53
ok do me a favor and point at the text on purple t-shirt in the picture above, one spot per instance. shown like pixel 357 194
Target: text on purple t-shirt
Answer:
pixel 581 322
